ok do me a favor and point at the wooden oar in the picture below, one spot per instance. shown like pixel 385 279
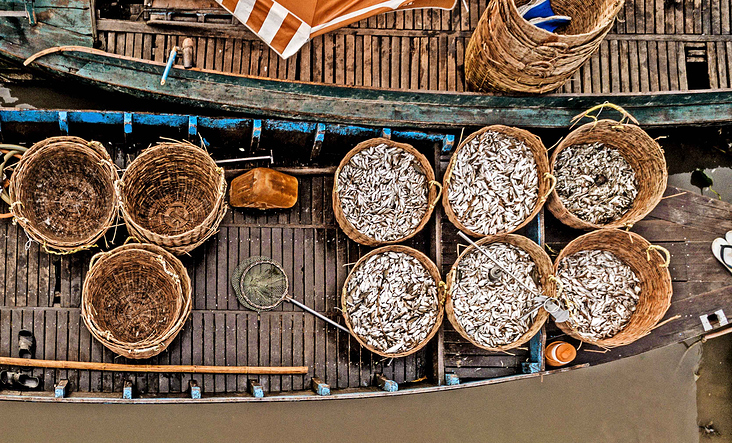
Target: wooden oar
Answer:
pixel 188 369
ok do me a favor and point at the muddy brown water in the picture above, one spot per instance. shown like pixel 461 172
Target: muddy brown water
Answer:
pixel 646 398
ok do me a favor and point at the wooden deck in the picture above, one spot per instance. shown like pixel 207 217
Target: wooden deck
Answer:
pixel 655 45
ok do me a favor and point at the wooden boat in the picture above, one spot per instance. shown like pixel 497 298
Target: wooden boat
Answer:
pixel 667 63
pixel 41 292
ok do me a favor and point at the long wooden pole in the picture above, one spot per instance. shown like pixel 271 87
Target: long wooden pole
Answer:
pixel 188 369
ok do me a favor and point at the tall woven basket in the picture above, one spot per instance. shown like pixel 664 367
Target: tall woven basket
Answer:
pixel 650 266
pixel 173 195
pixel 508 54
pixel 542 165
pixel 63 193
pixel 136 299
pixel 432 196
pixel 548 287
pixel 642 153
pixel 433 271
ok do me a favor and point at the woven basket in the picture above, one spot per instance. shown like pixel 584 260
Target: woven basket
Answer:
pixel 431 268
pixel 546 180
pixel 63 193
pixel 508 54
pixel 173 195
pixel 548 287
pixel 649 266
pixel 136 299
pixel 643 154
pixel 432 196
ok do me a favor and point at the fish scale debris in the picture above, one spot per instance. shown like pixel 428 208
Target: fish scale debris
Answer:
pixel 392 302
pixel 491 310
pixel 493 186
pixel 595 182
pixel 383 192
pixel 602 291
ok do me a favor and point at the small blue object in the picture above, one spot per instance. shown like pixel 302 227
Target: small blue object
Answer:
pixel 192 125
pixel 530 367
pixel 59 390
pixel 63 122
pixel 390 386
pixel 536 8
pixel 452 379
pixel 256 389
pixel 195 389
pixel 319 387
pixel 550 23
pixel 386 133
pixel 127 391
pixel 448 143
pixel 127 122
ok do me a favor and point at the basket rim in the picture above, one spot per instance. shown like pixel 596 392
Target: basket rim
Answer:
pixel 431 269
pixel 346 225
pixel 548 288
pixel 262 260
pixel 528 138
pixel 94 151
pixel 556 206
pixel 212 220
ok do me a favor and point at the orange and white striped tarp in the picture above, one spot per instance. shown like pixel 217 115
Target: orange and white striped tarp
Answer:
pixel 286 25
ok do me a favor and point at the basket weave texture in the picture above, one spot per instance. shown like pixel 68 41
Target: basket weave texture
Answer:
pixel 641 152
pixel 63 193
pixel 136 299
pixel 547 287
pixel 432 196
pixel 542 166
pixel 508 54
pixel 173 195
pixel 648 266
pixel 433 271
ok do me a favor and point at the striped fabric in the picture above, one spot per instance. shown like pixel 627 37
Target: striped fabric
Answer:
pixel 288 24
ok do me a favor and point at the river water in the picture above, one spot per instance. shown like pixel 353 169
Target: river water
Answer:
pixel 647 398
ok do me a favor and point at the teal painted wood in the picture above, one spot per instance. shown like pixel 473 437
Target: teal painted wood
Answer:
pixel 59 390
pixel 319 387
pixel 452 380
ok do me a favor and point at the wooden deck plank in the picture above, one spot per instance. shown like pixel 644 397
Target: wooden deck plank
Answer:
pixel 11 265
pixel 49 351
pixel 220 349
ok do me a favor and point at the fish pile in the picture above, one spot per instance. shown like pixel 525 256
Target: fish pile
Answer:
pixel 392 302
pixel 595 182
pixel 494 183
pixel 601 290
pixel 384 192
pixel 493 309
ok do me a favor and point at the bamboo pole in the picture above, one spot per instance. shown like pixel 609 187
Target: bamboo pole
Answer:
pixel 188 369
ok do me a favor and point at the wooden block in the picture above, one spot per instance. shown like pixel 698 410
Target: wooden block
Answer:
pixel 60 390
pixel 127 390
pixel 194 389
pixel 319 387
pixel 263 188
pixel 385 384
pixel 452 380
pixel 255 389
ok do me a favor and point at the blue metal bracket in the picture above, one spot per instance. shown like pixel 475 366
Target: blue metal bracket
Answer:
pixel 385 384
pixel 127 119
pixel 31 12
pixel 194 389
pixel 319 138
pixel 319 387
pixel 255 389
pixel 192 126
pixel 448 143
pixel 63 122
pixel 536 354
pixel 256 135
pixel 127 390
pixel 386 133
pixel 452 380
pixel 59 391
pixel 530 367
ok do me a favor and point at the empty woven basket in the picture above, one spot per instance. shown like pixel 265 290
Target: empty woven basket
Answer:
pixel 136 299
pixel 63 193
pixel 173 195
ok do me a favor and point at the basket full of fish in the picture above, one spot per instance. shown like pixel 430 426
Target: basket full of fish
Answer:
pixel 496 292
pixel 497 181
pixel 609 175
pixel 392 301
pixel 384 192
pixel 616 287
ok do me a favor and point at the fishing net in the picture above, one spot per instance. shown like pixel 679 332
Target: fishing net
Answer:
pixel 260 283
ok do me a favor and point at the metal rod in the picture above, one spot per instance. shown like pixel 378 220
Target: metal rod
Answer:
pixel 245 159
pixel 480 248
pixel 169 65
pixel 317 314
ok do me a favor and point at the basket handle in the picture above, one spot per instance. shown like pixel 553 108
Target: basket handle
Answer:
pixel 439 193
pixel 553 184
pixel 625 114
pixel 457 248
pixel 560 285
pixel 131 239
pixel 659 249
pixel 96 257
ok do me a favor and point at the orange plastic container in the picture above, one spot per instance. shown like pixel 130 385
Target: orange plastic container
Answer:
pixel 559 353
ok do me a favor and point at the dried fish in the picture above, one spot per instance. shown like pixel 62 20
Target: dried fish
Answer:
pixel 595 182
pixel 495 310
pixel 601 290
pixel 494 183
pixel 392 302
pixel 383 192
